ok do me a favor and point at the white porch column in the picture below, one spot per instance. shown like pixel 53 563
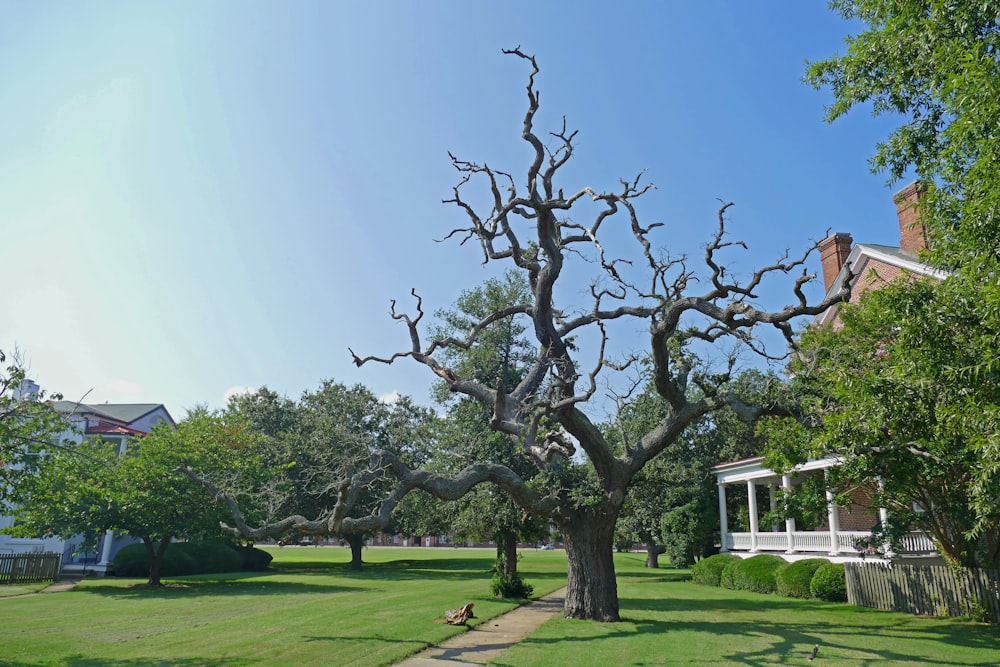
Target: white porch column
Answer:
pixel 723 521
pixel 883 518
pixel 786 484
pixel 834 521
pixel 109 540
pixel 752 498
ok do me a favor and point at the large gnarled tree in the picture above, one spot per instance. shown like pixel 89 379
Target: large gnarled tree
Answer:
pixel 537 227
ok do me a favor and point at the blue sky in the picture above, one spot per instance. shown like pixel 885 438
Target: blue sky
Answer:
pixel 196 197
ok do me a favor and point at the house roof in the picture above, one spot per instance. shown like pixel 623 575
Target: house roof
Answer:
pixel 126 413
pixel 862 254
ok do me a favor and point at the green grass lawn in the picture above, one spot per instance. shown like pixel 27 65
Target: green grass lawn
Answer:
pixel 670 621
pixel 311 610
pixel 10 590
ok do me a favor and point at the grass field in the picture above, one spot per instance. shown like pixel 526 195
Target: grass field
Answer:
pixel 670 621
pixel 312 611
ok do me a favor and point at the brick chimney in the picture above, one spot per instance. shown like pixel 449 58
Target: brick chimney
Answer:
pixel 833 252
pixel 912 233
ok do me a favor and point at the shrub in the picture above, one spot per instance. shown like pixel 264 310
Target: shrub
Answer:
pixel 793 581
pixel 756 573
pixel 510 586
pixel 183 558
pixel 254 559
pixel 708 571
pixel 132 561
pixel 211 556
pixel 829 583
pixel 726 578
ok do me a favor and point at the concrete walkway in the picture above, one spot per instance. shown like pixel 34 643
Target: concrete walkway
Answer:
pixel 486 641
pixel 64 584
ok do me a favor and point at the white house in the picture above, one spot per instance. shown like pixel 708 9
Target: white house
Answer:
pixel 116 423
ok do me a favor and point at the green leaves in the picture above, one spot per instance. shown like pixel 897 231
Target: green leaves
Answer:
pixel 896 399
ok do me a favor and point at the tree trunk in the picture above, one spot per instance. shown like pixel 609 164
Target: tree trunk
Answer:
pixel 653 553
pixel 155 551
pixel 355 541
pixel 507 552
pixel 591 587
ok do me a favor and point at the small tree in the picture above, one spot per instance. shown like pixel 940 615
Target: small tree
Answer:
pixel 92 487
pixel 882 388
pixel 502 352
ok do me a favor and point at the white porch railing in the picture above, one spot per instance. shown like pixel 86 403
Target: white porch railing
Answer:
pixel 818 542
pixel 918 543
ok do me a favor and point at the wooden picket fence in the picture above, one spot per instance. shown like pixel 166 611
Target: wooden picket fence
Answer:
pixel 29 567
pixel 932 590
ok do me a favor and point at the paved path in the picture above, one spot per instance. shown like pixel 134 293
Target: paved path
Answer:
pixel 486 641
pixel 64 584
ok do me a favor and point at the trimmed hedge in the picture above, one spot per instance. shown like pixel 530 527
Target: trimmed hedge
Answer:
pixel 756 573
pixel 829 583
pixel 708 571
pixel 794 580
pixel 183 558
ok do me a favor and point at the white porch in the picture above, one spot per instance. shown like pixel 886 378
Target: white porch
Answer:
pixel 832 542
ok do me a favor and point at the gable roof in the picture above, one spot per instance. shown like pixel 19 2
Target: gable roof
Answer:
pixel 126 413
pixel 860 261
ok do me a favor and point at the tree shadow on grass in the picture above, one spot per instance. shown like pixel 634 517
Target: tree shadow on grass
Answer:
pixel 80 660
pixel 216 588
pixel 654 574
pixel 788 642
pixel 447 568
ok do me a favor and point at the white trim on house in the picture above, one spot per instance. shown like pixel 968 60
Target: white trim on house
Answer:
pixel 857 262
pixel 792 544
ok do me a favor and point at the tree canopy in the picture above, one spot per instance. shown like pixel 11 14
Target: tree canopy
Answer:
pixel 95 486
pixel 310 446
pixel 936 66
pixel 927 401
pixel 883 391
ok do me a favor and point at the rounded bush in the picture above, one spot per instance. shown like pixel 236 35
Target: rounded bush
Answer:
pixel 726 578
pixel 183 558
pixel 756 573
pixel 254 559
pixel 211 556
pixel 132 561
pixel 793 581
pixel 708 571
pixel 829 583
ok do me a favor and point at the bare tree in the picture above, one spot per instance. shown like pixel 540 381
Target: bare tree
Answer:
pixel 550 413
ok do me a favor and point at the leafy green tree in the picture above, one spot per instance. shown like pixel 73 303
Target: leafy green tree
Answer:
pixel 502 353
pixel 673 502
pixel 882 388
pixel 95 487
pixel 28 423
pixel 935 66
pixel 313 443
